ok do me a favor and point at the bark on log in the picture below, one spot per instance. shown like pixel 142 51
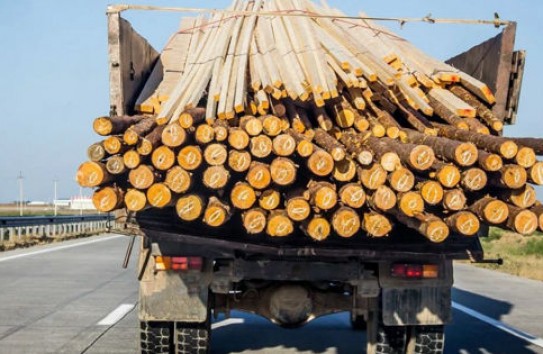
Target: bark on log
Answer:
pixel 344 171
pixel 322 195
pixel 134 133
pixel 482 111
pixel 114 125
pixel 490 162
pixel 509 177
pixel 537 209
pixel 151 141
pixel 522 221
pixel 523 198
pixel 329 144
pixel 490 210
pixel 354 144
pixel 192 117
pixel 534 143
pixel 428 225
pixel 505 147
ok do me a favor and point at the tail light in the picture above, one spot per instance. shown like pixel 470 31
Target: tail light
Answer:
pixel 178 263
pixel 414 271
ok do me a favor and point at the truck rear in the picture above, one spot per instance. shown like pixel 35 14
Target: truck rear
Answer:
pixel 397 288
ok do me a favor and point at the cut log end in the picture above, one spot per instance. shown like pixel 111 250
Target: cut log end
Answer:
pixel 508 149
pixel 372 177
pixel 318 228
pixel 454 200
pixel 535 173
pixel 402 180
pixel 215 177
pixel 491 162
pixel 464 222
pixel 261 146
pixel 474 179
pixel 216 213
pixel 215 154
pixel 352 195
pixel 384 198
pixel 91 174
pixel 102 126
pixel 205 134
pixel 238 138
pixel 284 145
pixel 279 224
pixel 421 157
pixel 298 209
pixel 173 135
pixel 466 154
pixel 107 199
pixel 163 158
pixel 344 171
pixel 390 161
pixel 242 196
pixel 514 176
pixel 239 161
pixel 259 176
pixel 411 203
pixel 159 195
pixel 283 171
pixel 178 180
pixel 269 199
pixel 449 176
pixel 254 221
pixel 525 222
pixel 135 200
pixel 131 159
pixel 346 222
pixel 436 230
pixel 190 207
pixel 376 225
pixel 321 163
pixel 190 157
pixel 432 192
pixel 495 212
pixel 526 157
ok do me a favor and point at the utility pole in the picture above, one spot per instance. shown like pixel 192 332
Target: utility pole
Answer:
pixel 21 192
pixel 55 196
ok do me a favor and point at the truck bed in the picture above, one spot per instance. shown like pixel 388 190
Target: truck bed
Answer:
pixel 164 225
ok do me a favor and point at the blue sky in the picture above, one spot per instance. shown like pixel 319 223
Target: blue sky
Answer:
pixel 54 78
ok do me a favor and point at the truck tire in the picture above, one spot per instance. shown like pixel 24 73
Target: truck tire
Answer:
pixel 426 340
pixel 390 339
pixel 192 338
pixel 358 323
pixel 155 337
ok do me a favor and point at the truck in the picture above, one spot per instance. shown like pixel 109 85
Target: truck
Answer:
pixel 397 289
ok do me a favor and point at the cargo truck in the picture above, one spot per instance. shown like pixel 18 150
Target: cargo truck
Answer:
pixel 397 289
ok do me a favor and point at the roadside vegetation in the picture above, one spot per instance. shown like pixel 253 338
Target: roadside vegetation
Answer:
pixel 522 255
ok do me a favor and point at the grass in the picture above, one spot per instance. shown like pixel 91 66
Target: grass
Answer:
pixel 522 255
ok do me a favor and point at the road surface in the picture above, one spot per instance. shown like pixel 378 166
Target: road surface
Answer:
pixel 74 297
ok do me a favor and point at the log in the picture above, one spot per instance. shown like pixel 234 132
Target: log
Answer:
pixel 352 195
pixel 205 134
pixel 283 171
pixel 190 157
pixel 355 146
pixel 215 177
pixel 401 180
pixel 238 138
pixel 372 176
pixel 505 147
pixel 428 225
pixel 96 152
pixel 269 199
pixel 475 126
pixel 283 145
pixel 525 157
pixel 383 198
pixel 107 199
pixel 259 176
pixel 173 135
pixel 134 133
pixel 344 171
pixel 537 209
pixel 463 153
pixel 159 195
pixel 329 144
pixel 419 157
pixel 318 228
pixel 522 221
pixel 142 177
pixel 535 173
pixel 242 196
pixel 189 207
pixel 92 174
pixel 322 119
pixel 178 180
pixel 450 117
pixel 239 161
pixel 410 203
pixel 215 154
pixel 135 200
pixel 463 222
pixel 447 175
pixel 114 145
pixel 490 162
pixel 261 146
pixel 535 143
pixel 523 198
pixel 217 213
pixel 345 222
pixel 220 129
pixel 343 114
pixel 279 224
pixel 151 141
pixel 192 117
pixel 131 159
pixel 298 208
pixel 490 210
pixel 454 200
pixel 254 221
pixel 114 125
pixel 474 179
pixel 510 176
pixel 322 195
pixel 376 225
pixel 431 192
pixel 271 125
pixel 251 125
pixel 163 158
pixel 320 163
pixel 482 111
pixel 115 165
pixel 304 146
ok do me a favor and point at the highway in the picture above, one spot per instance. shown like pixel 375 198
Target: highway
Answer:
pixel 74 297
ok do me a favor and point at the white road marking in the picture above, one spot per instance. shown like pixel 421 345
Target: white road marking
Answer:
pixel 58 248
pixel 500 325
pixel 116 315
pixel 227 322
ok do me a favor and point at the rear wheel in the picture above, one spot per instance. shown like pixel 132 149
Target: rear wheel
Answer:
pixel 426 340
pixel 174 337
pixel 383 339
pixel 358 323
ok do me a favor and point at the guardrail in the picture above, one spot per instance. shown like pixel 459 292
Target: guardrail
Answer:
pixel 16 228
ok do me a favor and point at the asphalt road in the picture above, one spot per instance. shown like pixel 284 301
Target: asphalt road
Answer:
pixel 74 297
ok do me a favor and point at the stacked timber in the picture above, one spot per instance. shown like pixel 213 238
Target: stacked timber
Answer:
pixel 314 123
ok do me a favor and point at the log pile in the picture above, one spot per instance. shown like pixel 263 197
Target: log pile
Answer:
pixel 320 124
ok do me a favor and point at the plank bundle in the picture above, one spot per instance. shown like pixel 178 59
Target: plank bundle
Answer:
pixel 314 123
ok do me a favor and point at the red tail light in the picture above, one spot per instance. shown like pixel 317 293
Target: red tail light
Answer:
pixel 178 263
pixel 414 271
